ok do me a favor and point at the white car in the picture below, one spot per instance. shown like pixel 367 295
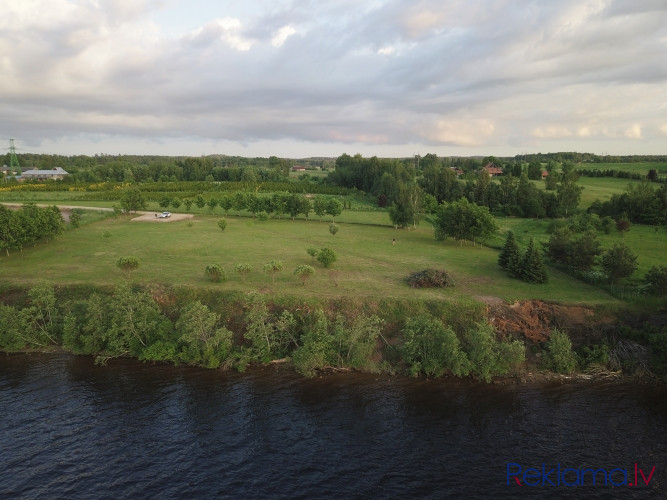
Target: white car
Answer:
pixel 164 215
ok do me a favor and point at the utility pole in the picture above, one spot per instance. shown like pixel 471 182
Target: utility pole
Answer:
pixel 13 159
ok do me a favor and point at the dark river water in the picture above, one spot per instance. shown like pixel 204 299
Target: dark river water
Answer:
pixel 69 429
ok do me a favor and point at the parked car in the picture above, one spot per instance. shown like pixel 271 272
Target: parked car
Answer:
pixel 164 215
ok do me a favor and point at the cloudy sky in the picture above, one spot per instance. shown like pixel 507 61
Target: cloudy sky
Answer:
pixel 297 78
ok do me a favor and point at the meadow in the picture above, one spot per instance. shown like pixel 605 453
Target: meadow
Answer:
pixel 369 265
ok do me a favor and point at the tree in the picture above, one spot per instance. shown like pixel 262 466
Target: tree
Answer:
pixel 560 357
pixel 463 220
pixel 619 262
pixel 243 269
pixel 510 249
pixel 532 267
pixel 212 203
pixel 222 224
pixel 187 203
pixel 656 279
pixel 200 201
pixel 326 257
pixel 215 273
pixel 128 264
pixel 320 206
pixel 334 208
pixel 136 324
pixel 430 348
pixel 273 267
pixel 304 271
pixel 132 200
pixel 569 194
pixel 534 171
pixel 176 202
pixel 164 202
pixel 489 357
pixel 202 343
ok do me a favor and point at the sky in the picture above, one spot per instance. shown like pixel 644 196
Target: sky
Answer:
pixel 301 78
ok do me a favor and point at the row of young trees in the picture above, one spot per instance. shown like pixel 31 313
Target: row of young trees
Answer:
pixel 280 204
pixel 130 323
pixel 24 227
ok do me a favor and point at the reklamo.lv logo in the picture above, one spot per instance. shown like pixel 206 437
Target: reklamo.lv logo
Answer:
pixel 559 476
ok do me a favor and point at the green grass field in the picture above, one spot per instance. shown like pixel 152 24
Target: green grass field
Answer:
pixel 369 266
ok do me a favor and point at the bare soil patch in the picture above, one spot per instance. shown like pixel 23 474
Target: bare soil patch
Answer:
pixel 153 217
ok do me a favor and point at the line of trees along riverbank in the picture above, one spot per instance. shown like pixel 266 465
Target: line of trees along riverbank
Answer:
pixel 185 326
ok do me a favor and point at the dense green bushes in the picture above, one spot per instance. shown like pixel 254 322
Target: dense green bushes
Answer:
pixel 132 322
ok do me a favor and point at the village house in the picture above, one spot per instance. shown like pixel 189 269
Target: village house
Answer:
pixel 492 169
pixel 44 175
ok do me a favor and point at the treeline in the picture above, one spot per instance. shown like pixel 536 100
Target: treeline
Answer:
pixel 641 203
pixel 652 176
pixel 130 322
pixel 24 227
pixel 163 168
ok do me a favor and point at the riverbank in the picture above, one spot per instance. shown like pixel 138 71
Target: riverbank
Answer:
pixel 486 341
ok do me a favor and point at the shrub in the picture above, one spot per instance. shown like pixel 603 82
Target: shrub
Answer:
pixel 215 273
pixel 75 218
pixel 304 272
pixel 656 279
pixel 489 357
pixel 326 257
pixel 431 278
pixel 263 216
pixel 559 357
pixel 333 228
pixel 312 251
pixel 222 224
pixel 623 225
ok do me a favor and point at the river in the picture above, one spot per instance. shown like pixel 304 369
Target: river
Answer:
pixel 70 429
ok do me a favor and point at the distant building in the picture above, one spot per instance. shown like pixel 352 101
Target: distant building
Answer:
pixel 493 170
pixel 44 175
pixel 298 168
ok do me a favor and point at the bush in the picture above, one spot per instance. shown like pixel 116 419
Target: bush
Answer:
pixel 333 228
pixel 262 216
pixel 559 357
pixel 312 251
pixel 489 357
pixel 222 224
pixel 656 279
pixel 215 273
pixel 431 278
pixel 326 257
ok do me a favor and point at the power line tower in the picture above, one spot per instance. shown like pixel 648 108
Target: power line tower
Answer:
pixel 13 159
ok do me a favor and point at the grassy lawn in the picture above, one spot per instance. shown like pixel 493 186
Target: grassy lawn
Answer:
pixel 369 265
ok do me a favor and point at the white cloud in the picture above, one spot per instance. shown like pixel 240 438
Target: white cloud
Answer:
pixel 634 132
pixel 282 35
pixel 459 132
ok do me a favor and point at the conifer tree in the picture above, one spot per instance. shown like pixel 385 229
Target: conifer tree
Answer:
pixel 510 248
pixel 532 267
